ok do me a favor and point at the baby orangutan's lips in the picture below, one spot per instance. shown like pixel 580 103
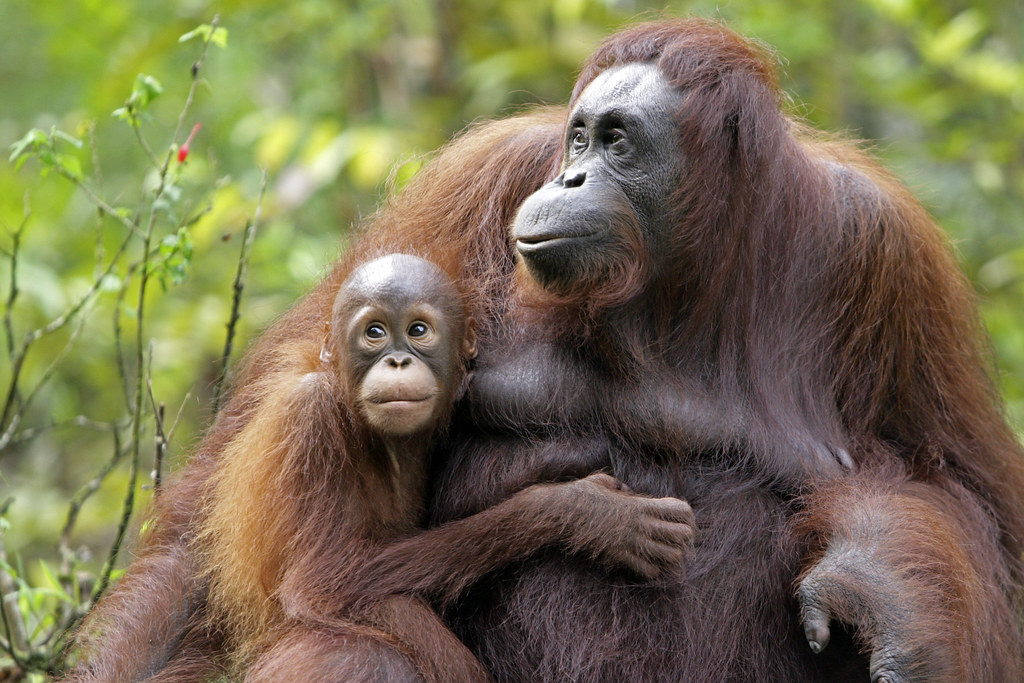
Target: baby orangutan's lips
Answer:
pixel 401 402
pixel 399 398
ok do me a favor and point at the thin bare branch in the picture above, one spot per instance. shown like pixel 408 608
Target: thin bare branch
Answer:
pixel 236 300
pixel 63 319
pixel 101 204
pixel 48 373
pixel 122 530
pixel 15 636
pixel 82 421
pixel 119 350
pixel 83 494
pixel 159 437
pixel 12 288
pixel 177 417
pixel 97 174
pixel 145 147
pixel 16 357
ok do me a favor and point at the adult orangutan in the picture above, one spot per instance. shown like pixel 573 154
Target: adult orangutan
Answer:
pixel 712 304
pixel 715 301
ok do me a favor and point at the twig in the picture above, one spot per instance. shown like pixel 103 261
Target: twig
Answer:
pixel 145 147
pixel 177 418
pixel 163 437
pixel 236 300
pixel 48 373
pixel 99 250
pixel 14 628
pixel 122 528
pixel 119 353
pixel 17 359
pixel 83 495
pixel 82 421
pixel 100 204
pixel 72 614
pixel 159 437
pixel 157 474
pixel 63 319
pixel 12 292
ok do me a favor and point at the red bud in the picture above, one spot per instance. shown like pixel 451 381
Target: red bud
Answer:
pixel 183 150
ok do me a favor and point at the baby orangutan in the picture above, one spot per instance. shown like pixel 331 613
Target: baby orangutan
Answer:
pixel 317 564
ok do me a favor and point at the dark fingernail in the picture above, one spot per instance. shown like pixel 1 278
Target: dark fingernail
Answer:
pixel 817 636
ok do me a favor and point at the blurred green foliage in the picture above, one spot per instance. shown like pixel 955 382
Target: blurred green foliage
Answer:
pixel 338 100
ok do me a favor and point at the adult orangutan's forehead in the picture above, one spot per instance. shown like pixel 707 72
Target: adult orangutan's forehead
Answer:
pixel 630 87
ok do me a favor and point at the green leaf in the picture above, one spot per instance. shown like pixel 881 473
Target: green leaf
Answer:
pixel 145 90
pixel 168 245
pixel 57 133
pixel 70 165
pixel 47 157
pixel 27 144
pixel 218 36
pixel 50 578
pixel 44 625
pixel 201 30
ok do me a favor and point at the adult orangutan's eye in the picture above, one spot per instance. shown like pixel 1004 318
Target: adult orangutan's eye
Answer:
pixel 579 141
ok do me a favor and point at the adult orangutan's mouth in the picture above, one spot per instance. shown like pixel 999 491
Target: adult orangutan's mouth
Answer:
pixel 532 243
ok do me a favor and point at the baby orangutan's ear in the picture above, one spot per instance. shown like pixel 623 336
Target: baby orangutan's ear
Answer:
pixel 469 340
pixel 327 350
